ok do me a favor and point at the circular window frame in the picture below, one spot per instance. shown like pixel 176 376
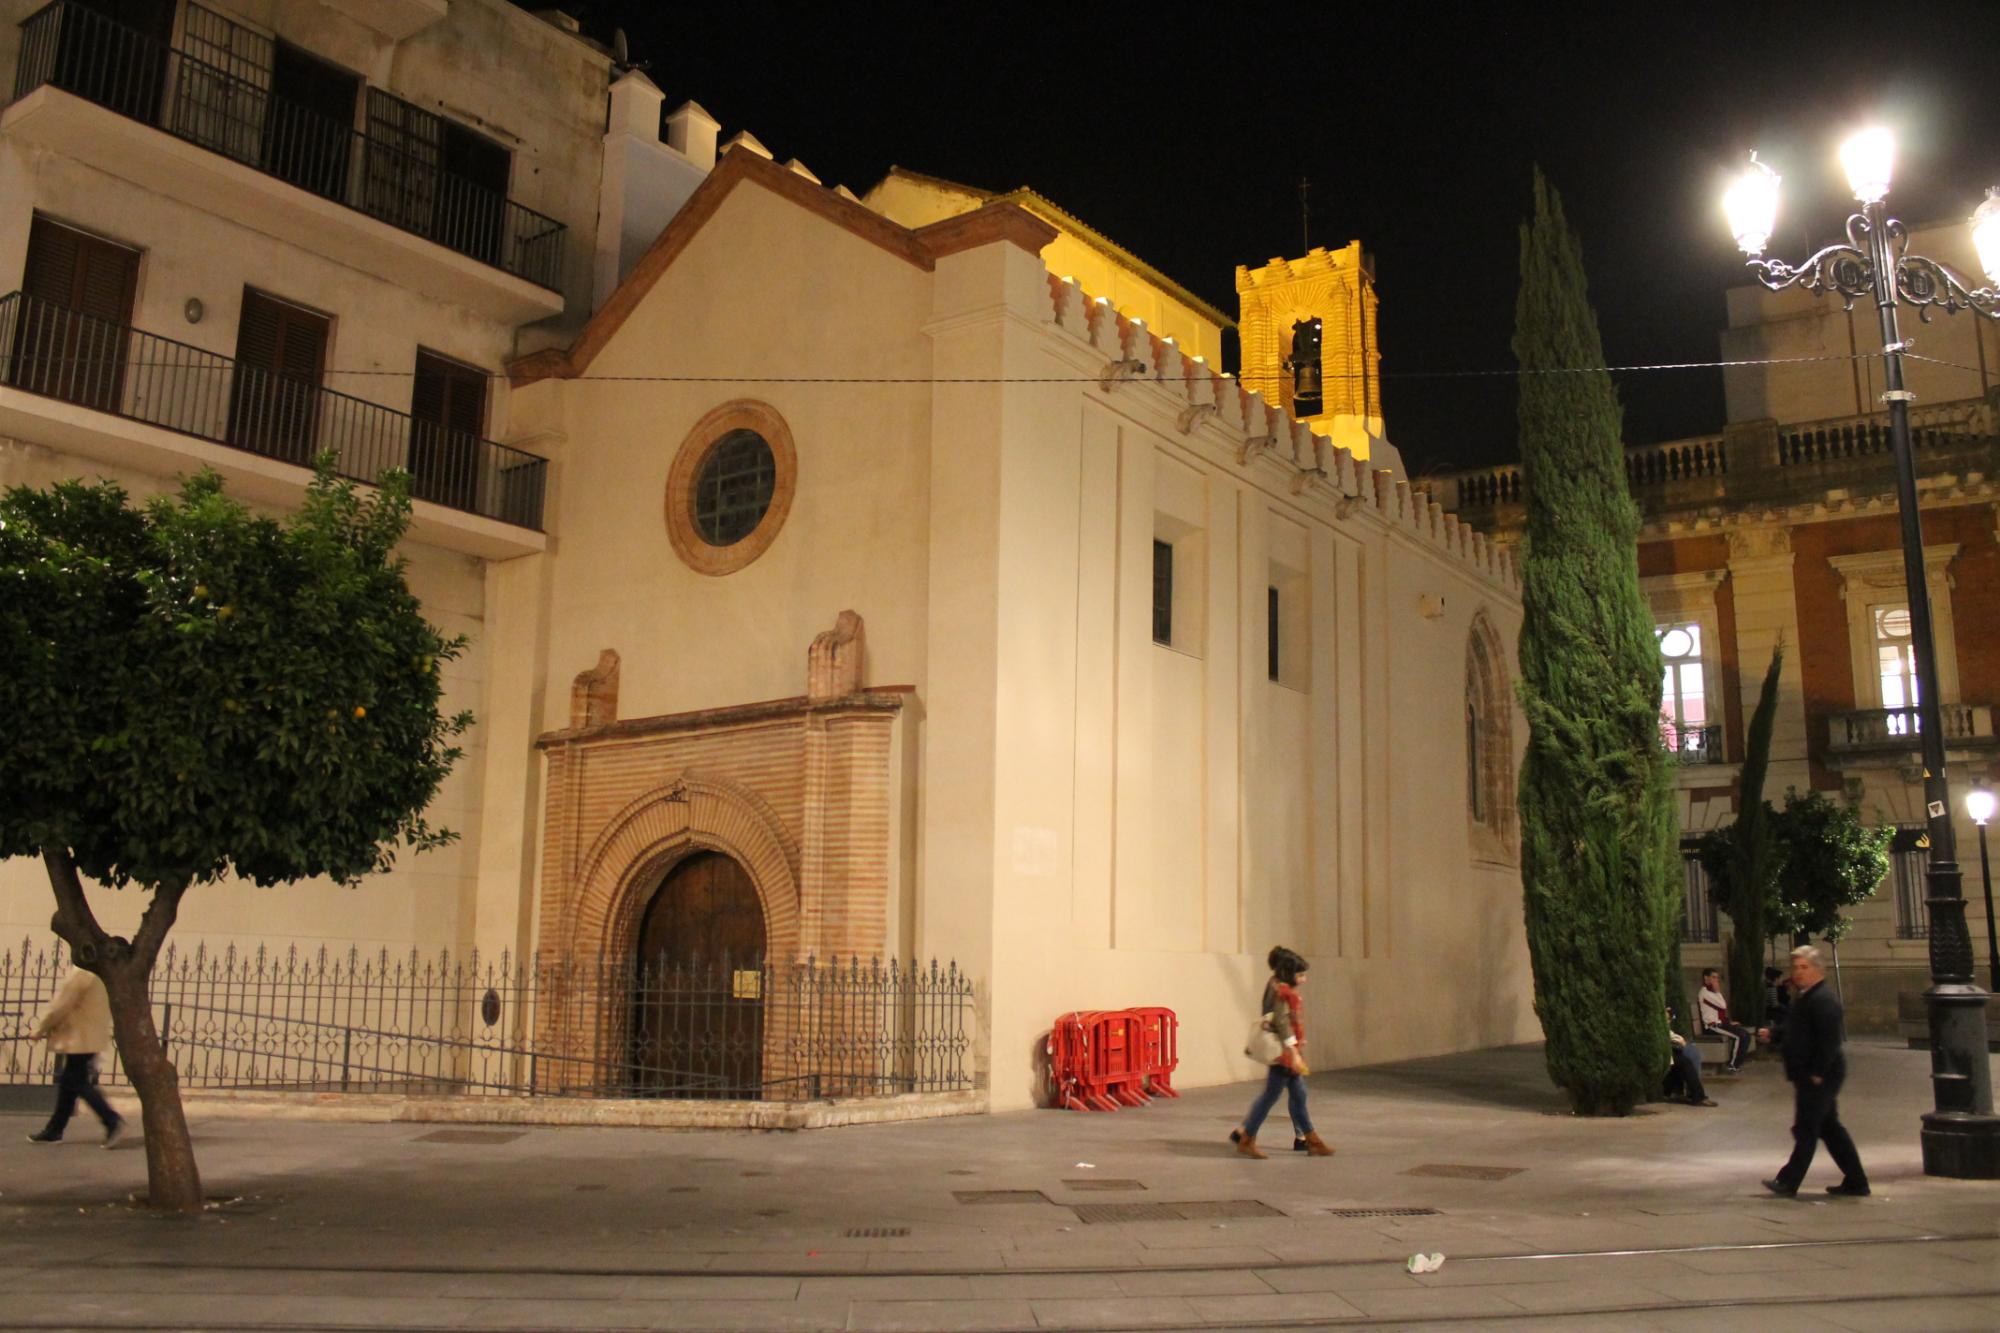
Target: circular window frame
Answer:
pixel 693 549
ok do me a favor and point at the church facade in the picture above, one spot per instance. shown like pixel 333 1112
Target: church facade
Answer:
pixel 891 595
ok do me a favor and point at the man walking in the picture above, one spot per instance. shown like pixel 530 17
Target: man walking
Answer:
pixel 1816 1067
pixel 77 1026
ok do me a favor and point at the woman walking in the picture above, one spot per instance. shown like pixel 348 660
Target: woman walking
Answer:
pixel 1284 1014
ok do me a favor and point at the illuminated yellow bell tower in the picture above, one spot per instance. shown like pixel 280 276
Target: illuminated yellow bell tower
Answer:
pixel 1308 336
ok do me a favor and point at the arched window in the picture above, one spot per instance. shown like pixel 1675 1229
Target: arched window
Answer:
pixel 1489 745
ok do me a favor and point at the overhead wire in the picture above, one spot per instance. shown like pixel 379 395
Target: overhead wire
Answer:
pixel 1516 373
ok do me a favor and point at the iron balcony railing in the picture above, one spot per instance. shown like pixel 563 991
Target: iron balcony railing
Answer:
pixel 1693 745
pixel 70 46
pixel 55 352
pixel 327 1021
pixel 1899 729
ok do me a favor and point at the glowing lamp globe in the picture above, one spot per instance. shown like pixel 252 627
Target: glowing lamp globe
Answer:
pixel 1869 158
pixel 1752 207
pixel 1979 803
pixel 1986 234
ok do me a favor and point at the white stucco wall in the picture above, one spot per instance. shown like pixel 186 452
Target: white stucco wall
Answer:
pixel 1097 820
pixel 488 65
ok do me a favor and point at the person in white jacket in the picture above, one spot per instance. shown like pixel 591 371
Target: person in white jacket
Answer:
pixel 77 1026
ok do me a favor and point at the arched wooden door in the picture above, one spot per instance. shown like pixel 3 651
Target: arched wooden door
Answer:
pixel 698 1025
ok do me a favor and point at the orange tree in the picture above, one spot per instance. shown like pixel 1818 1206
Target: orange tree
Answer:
pixel 193 691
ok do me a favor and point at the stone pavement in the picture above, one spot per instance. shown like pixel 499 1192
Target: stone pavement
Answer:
pixel 1023 1221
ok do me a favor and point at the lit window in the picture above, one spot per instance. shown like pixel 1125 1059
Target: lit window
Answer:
pixel 1896 665
pixel 1683 697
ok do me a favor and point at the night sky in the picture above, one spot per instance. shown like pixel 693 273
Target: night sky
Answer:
pixel 1184 138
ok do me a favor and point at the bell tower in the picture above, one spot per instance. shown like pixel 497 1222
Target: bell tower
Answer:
pixel 1308 335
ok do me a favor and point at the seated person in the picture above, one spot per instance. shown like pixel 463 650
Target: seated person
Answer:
pixel 1713 1011
pixel 1683 1082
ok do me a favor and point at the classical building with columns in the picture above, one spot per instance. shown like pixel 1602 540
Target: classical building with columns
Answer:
pixel 1782 527
pixel 836 586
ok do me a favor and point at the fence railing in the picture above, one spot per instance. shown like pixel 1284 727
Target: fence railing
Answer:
pixel 70 46
pixel 55 352
pixel 1652 468
pixel 346 1022
pixel 1860 436
pixel 1693 745
pixel 1900 728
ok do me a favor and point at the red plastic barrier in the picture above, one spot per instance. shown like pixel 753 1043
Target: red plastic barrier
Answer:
pixel 1100 1060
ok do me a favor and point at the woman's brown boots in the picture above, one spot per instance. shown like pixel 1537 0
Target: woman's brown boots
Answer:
pixel 1246 1146
pixel 1317 1146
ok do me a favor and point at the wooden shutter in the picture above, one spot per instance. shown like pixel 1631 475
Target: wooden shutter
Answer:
pixel 80 272
pixel 280 357
pixel 76 313
pixel 447 417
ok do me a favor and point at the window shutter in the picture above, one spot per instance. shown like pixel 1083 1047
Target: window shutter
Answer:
pixel 52 259
pixel 106 276
pixel 259 331
pixel 81 272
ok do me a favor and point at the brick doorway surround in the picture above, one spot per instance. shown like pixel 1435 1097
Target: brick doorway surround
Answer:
pixel 797 791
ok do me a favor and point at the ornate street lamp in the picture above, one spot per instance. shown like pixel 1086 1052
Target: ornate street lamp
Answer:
pixel 1961 1137
pixel 1980 803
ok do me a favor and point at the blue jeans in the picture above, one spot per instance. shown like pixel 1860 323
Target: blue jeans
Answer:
pixel 1279 1079
pixel 75 1081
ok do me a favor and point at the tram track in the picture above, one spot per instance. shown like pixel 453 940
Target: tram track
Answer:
pixel 461 1310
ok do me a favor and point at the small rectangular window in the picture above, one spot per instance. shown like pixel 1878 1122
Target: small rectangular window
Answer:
pixel 1698 925
pixel 1271 633
pixel 1909 866
pixel 1163 592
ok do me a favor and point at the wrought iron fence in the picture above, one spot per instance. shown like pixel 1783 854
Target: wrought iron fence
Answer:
pixel 56 352
pixel 1692 745
pixel 326 1021
pixel 71 46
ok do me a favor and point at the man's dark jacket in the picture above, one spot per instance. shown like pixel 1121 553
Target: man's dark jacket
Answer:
pixel 1813 1037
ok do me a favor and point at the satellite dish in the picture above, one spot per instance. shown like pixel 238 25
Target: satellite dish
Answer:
pixel 619 51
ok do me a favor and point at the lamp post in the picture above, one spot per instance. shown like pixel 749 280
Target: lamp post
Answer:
pixel 1979 803
pixel 1961 1136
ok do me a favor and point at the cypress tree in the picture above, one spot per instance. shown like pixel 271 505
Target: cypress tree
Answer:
pixel 1744 859
pixel 1599 830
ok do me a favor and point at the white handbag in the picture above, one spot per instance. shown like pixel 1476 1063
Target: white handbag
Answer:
pixel 1263 1045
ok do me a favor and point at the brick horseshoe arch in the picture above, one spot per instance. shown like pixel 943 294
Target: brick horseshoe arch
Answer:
pixel 641 841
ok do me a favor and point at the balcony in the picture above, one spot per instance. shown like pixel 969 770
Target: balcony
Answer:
pixel 1693 745
pixel 1891 735
pixel 95 90
pixel 127 397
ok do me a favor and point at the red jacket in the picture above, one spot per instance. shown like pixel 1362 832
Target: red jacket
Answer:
pixel 1288 1017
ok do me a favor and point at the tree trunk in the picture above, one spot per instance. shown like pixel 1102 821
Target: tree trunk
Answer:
pixel 173 1182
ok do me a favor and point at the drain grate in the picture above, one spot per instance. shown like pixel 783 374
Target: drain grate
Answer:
pixel 875 1233
pixel 1000 1196
pixel 1451 1171
pixel 1091 1186
pixel 472 1136
pixel 1202 1211
pixel 1383 1212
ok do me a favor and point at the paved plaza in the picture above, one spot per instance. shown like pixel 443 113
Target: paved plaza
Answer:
pixel 1037 1220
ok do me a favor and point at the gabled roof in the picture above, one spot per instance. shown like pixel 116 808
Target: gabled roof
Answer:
pixel 922 247
pixel 1050 211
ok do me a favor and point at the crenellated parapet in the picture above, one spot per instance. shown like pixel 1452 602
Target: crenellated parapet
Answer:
pixel 1269 444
